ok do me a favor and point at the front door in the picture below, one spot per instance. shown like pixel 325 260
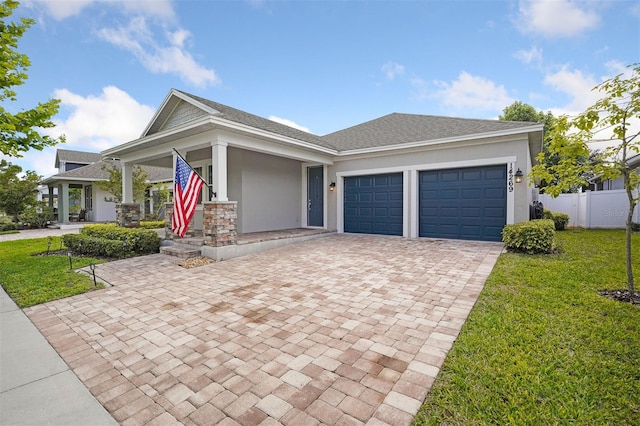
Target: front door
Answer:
pixel 315 196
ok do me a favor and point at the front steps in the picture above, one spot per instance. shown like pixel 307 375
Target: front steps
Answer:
pixel 185 249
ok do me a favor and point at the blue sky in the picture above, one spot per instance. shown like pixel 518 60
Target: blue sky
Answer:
pixel 318 65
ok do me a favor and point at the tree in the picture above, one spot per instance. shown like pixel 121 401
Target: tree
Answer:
pixel 114 184
pixel 616 112
pixel 16 192
pixel 18 132
pixel 519 111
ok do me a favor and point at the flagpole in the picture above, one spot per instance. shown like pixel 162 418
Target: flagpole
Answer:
pixel 211 193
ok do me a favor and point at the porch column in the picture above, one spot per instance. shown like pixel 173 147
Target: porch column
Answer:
pixel 219 223
pixel 127 183
pixel 63 203
pixel 50 188
pixel 219 166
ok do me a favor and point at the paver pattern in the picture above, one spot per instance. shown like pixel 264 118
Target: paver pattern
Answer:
pixel 342 330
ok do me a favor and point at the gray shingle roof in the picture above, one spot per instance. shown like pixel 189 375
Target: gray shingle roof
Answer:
pixel 396 129
pixel 242 117
pixel 81 157
pixel 95 172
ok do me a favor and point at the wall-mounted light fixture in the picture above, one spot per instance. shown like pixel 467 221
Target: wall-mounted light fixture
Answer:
pixel 332 186
pixel 519 176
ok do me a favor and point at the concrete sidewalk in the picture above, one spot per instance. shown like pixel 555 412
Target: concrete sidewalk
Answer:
pixel 36 385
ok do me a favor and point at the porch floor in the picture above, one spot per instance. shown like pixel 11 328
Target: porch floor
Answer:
pixel 258 237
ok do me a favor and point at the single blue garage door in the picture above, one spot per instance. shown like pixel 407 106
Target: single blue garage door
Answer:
pixel 373 204
pixel 468 203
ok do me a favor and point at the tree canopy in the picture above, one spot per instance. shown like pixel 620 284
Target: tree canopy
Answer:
pixel 615 117
pixel 17 192
pixel 114 184
pixel 19 131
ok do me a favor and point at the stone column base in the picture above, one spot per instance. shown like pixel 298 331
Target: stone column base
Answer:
pixel 220 223
pixel 128 215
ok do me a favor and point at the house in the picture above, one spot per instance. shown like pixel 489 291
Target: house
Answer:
pixel 78 171
pixel 402 174
pixel 598 184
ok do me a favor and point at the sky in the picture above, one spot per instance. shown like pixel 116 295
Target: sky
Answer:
pixel 320 66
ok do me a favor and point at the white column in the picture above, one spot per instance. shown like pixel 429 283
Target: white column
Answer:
pixel 63 203
pixel 219 162
pixel 127 183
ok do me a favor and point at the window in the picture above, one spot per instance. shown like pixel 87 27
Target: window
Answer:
pixel 198 170
pixel 88 197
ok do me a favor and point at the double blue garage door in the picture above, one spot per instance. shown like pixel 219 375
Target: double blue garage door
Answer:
pixel 465 203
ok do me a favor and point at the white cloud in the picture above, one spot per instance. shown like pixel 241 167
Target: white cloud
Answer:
pixel 577 85
pixel 555 18
pixel 100 122
pixel 173 58
pixel 533 55
pixel 289 123
pixel 392 69
pixel 62 9
pixel 473 92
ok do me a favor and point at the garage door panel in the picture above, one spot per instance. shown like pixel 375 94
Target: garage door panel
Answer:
pixel 373 204
pixel 466 203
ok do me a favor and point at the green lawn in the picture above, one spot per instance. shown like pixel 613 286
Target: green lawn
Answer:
pixel 30 280
pixel 542 347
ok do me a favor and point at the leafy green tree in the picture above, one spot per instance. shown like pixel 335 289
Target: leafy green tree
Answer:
pixel 17 192
pixel 19 132
pixel 114 184
pixel 519 111
pixel 615 113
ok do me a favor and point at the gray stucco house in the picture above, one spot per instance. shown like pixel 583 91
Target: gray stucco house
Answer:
pixel 81 170
pixel 402 174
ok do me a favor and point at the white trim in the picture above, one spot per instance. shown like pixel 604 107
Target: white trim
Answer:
pixel 511 195
pixel 406 202
pixel 414 194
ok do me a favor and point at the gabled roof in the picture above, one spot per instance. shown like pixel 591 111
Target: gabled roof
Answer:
pixel 398 129
pixel 184 114
pixel 78 157
pixel 94 172
pixel 242 117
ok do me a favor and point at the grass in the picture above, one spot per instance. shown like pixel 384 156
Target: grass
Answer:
pixel 30 280
pixel 541 346
pixel 12 231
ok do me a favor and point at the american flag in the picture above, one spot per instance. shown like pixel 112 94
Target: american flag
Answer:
pixel 187 186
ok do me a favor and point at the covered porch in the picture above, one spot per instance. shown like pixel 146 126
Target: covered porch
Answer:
pixel 257 180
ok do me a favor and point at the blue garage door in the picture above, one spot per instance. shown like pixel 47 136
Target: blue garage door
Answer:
pixel 373 204
pixel 468 203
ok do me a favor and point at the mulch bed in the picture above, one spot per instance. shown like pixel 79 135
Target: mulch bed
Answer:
pixel 194 262
pixel 622 296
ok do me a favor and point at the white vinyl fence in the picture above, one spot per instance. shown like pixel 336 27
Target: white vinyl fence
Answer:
pixel 593 209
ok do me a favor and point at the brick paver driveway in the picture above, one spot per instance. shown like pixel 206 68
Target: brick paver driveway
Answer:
pixel 339 330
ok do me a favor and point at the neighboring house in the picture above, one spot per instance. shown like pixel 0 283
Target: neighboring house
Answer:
pixel 608 185
pixel 81 170
pixel 401 174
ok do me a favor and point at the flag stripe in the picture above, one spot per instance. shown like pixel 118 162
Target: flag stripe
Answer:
pixel 187 187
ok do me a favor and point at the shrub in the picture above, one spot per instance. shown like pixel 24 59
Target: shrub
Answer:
pixel 560 220
pixel 8 226
pixel 137 241
pixel 36 216
pixel 94 246
pixel 536 236
pixel 152 224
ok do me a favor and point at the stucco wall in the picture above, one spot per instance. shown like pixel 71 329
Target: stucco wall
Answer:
pixel 270 190
pixel 450 155
pixel 103 211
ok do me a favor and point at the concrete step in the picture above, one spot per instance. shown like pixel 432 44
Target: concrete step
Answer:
pixel 180 251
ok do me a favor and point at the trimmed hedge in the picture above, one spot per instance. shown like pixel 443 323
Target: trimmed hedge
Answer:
pixel 95 247
pixel 8 226
pixel 113 241
pixel 533 237
pixel 151 224
pixel 560 220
